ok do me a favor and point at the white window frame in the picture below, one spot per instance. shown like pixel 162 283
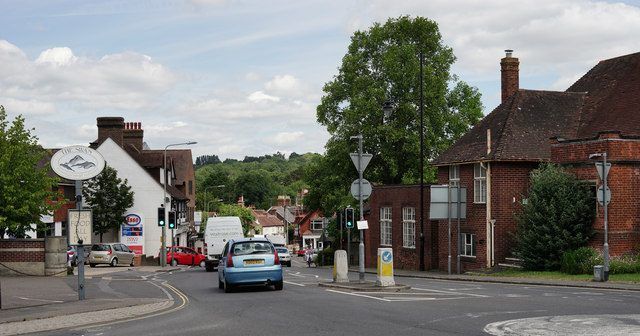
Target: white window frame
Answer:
pixel 454 175
pixel 385 227
pixel 314 222
pixel 468 245
pixel 479 184
pixel 409 227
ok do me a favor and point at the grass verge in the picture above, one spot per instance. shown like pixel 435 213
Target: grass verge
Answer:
pixel 552 275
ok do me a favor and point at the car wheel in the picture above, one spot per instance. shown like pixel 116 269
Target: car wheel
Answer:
pixel 220 284
pixel 174 262
pixel 92 265
pixel 203 264
pixel 227 288
pixel 289 264
pixel 131 265
pixel 208 267
pixel 278 285
pixel 114 262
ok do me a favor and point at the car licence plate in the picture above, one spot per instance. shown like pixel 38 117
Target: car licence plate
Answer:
pixel 98 257
pixel 254 262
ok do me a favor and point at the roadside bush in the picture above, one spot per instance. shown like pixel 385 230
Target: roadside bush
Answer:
pixel 557 218
pixel 328 257
pixel 580 261
pixel 624 265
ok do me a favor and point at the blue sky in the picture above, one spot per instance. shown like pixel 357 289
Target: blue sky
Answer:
pixel 244 77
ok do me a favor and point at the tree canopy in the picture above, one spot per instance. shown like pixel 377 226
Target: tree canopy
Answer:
pixel 26 191
pixel 109 198
pixel 557 218
pixel 383 64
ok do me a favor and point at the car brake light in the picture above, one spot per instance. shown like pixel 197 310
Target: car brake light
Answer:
pixel 230 259
pixel 276 259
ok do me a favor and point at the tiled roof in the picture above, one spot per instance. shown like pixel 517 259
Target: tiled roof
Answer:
pixel 520 128
pixel 269 221
pixel 613 97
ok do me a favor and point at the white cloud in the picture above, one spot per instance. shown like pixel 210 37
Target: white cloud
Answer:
pixel 285 84
pixel 124 80
pixel 260 96
pixel 285 138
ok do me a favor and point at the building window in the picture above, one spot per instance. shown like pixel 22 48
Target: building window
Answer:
pixel 479 184
pixel 385 226
pixel 317 224
pixel 454 175
pixel 468 242
pixel 409 227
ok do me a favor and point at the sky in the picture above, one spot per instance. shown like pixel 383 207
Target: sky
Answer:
pixel 243 78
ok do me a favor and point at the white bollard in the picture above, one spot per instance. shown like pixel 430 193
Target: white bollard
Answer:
pixel 340 268
pixel 385 268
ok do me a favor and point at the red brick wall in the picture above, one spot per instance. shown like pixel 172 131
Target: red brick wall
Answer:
pixel 22 250
pixel 509 182
pixel 623 180
pixel 397 197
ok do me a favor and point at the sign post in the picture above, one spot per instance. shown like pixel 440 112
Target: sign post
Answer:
pixel 361 160
pixel 78 163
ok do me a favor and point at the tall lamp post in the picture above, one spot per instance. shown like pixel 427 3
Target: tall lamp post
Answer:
pixel 163 248
pixel 388 110
pixel 605 190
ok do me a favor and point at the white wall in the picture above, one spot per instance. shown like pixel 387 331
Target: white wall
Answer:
pixel 276 230
pixel 148 193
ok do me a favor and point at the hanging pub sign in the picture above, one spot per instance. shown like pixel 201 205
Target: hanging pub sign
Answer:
pixel 77 163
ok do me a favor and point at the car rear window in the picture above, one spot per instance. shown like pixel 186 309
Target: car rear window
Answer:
pixel 98 247
pixel 252 247
pixel 282 250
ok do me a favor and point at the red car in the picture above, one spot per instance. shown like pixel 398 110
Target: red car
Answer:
pixel 185 256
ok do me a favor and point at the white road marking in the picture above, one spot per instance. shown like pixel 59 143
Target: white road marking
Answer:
pixel 43 300
pixel 448 292
pixel 293 283
pixel 360 295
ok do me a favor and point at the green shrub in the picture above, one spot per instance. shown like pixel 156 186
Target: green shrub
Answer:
pixel 328 257
pixel 624 265
pixel 580 261
pixel 557 218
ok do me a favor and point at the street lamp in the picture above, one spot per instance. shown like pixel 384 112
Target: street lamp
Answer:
pixel 387 109
pixel 163 249
pixel 603 177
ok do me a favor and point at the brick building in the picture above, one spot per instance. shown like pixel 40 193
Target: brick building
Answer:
pixel 599 113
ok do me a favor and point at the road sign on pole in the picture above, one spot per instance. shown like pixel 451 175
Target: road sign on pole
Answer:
pixel 599 166
pixel 604 194
pixel 366 189
pixel 366 158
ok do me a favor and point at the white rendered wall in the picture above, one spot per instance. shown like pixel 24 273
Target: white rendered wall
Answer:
pixel 148 193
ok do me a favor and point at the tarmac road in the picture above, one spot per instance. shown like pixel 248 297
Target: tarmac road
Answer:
pixel 431 307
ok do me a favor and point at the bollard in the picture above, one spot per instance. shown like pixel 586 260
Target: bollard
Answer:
pixel 385 268
pixel 340 267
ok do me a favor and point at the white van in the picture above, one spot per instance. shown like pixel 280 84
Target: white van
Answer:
pixel 219 231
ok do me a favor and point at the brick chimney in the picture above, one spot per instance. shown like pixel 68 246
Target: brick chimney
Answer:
pixel 133 134
pixel 110 127
pixel 509 66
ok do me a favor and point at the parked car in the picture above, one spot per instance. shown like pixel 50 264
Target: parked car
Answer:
pixel 112 254
pixel 300 252
pixel 249 261
pixel 185 256
pixel 72 255
pixel 284 255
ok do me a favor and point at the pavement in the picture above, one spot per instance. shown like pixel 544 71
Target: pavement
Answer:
pixel 35 304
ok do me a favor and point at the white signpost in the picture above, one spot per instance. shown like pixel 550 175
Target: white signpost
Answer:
pixel 78 163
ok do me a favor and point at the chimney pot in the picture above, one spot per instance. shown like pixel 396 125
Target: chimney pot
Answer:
pixel 509 52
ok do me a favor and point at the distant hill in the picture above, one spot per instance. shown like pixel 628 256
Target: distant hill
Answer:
pixel 259 179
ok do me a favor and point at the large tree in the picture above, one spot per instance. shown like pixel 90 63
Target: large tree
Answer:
pixel 109 198
pixel 383 64
pixel 557 218
pixel 26 191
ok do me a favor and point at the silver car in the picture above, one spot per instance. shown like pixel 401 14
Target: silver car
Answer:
pixel 284 255
pixel 112 254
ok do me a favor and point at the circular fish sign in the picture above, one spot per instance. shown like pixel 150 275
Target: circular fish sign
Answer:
pixel 77 163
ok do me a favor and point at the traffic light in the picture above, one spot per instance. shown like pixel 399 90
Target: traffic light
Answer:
pixel 172 220
pixel 161 220
pixel 350 217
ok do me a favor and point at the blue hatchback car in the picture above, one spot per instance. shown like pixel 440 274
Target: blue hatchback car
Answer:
pixel 249 261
